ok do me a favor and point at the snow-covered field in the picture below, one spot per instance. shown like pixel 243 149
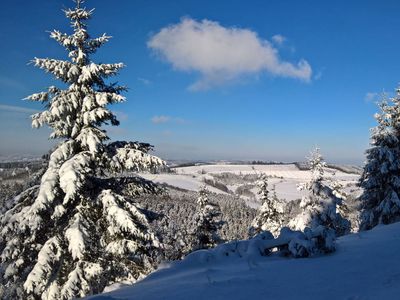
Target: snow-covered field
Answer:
pixel 285 177
pixel 365 266
pixel 186 181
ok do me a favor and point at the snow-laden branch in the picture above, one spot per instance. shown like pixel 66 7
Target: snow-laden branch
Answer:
pixel 44 96
pixel 63 39
pixel 41 273
pixel 94 44
pixel 76 235
pixel 78 14
pixel 92 72
pixel 64 70
pixel 119 219
pixel 76 284
pixel 72 175
pixel 133 157
pixel 91 138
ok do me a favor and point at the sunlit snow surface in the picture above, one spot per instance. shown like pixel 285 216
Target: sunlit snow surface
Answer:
pixel 365 266
pixel 285 177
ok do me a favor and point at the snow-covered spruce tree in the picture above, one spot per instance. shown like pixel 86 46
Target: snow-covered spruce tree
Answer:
pixel 270 214
pixel 380 179
pixel 205 232
pixel 347 214
pixel 320 207
pixel 74 234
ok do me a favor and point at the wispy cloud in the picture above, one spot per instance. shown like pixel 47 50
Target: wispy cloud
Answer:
pixel 221 54
pixel 11 83
pixel 278 39
pixel 18 109
pixel 166 119
pixel 318 75
pixel 370 97
pixel 145 81
pixel 160 119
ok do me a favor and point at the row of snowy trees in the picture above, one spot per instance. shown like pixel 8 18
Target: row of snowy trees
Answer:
pixel 324 206
pixel 321 209
pixel 324 209
pixel 322 217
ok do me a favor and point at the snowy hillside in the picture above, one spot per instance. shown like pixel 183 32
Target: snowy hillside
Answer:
pixel 285 177
pixel 365 266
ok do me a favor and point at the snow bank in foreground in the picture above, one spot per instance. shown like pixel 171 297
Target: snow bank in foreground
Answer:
pixel 365 266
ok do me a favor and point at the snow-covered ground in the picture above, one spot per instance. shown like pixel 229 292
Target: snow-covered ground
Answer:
pixel 365 266
pixel 285 177
pixel 186 181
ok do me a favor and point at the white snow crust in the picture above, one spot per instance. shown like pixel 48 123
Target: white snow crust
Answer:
pixel 365 266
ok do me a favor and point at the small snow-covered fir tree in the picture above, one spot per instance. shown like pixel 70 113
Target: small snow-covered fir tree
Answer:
pixel 270 214
pixel 205 233
pixel 320 206
pixel 348 216
pixel 380 180
pixel 74 234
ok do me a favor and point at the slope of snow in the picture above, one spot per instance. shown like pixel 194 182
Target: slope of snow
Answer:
pixel 365 266
pixel 278 170
pixel 187 182
pixel 287 170
pixel 285 177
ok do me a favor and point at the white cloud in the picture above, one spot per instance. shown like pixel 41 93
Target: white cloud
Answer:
pixel 165 119
pixel 369 97
pixel 160 119
pixel 18 109
pixel 145 81
pixel 11 83
pixel 278 39
pixel 221 54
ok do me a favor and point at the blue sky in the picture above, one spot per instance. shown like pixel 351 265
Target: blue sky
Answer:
pixel 218 79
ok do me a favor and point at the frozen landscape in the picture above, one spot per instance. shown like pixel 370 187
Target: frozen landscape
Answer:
pixel 250 161
pixel 285 178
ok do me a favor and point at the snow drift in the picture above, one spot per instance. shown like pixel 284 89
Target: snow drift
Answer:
pixel 366 265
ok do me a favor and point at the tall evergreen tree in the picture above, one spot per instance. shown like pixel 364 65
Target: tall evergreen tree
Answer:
pixel 270 214
pixel 205 233
pixel 320 205
pixel 380 179
pixel 74 234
